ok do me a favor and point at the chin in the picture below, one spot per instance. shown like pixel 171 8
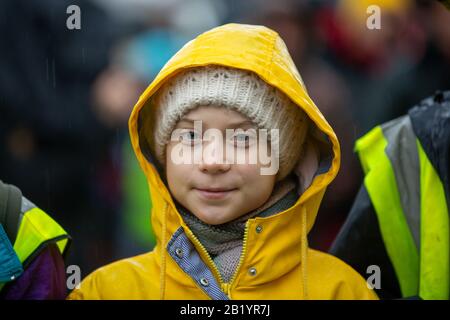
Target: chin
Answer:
pixel 214 218
pixel 211 220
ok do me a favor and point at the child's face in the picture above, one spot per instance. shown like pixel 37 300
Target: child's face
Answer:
pixel 242 187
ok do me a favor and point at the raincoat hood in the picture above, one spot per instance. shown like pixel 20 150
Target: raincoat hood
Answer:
pixel 273 262
pixel 262 51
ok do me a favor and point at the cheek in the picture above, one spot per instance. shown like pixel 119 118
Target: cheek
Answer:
pixel 177 175
pixel 253 181
pixel 255 191
pixel 248 173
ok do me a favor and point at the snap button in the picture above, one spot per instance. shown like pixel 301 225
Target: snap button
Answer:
pixel 179 252
pixel 259 229
pixel 252 271
pixel 204 282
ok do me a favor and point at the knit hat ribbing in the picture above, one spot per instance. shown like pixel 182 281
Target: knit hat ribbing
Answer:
pixel 236 89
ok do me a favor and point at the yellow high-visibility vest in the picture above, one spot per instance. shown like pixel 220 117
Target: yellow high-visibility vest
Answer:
pixel 422 267
pixel 37 230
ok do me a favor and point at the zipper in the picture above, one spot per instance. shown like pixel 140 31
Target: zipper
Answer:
pixel 207 255
pixel 225 286
pixel 241 259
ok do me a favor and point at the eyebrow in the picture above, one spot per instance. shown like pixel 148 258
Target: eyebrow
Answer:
pixel 229 125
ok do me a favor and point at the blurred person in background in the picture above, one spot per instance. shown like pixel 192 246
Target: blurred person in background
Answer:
pixel 430 68
pixel 115 92
pixel 367 58
pixel 54 143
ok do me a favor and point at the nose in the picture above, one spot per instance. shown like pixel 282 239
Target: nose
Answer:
pixel 213 167
pixel 213 161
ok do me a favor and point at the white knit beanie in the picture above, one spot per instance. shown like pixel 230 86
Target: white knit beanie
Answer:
pixel 236 89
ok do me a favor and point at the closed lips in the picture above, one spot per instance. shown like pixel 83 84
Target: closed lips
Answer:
pixel 214 189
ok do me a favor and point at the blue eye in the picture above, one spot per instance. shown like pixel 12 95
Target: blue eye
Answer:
pixel 242 137
pixel 242 140
pixel 190 137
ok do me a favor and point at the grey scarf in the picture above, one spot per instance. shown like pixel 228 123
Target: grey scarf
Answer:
pixel 224 242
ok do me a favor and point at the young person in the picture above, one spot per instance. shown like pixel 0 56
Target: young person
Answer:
pixel 227 229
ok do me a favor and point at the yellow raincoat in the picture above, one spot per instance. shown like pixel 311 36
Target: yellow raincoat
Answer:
pixel 281 264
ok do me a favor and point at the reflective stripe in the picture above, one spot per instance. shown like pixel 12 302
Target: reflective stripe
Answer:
pixel 27 205
pixel 402 153
pixel 426 275
pixel 35 231
pixel 37 228
pixel 434 250
pixel 382 188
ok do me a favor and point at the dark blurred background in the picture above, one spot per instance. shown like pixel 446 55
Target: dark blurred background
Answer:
pixel 65 96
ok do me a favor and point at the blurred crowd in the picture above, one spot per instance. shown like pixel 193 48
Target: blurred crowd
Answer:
pixel 65 96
